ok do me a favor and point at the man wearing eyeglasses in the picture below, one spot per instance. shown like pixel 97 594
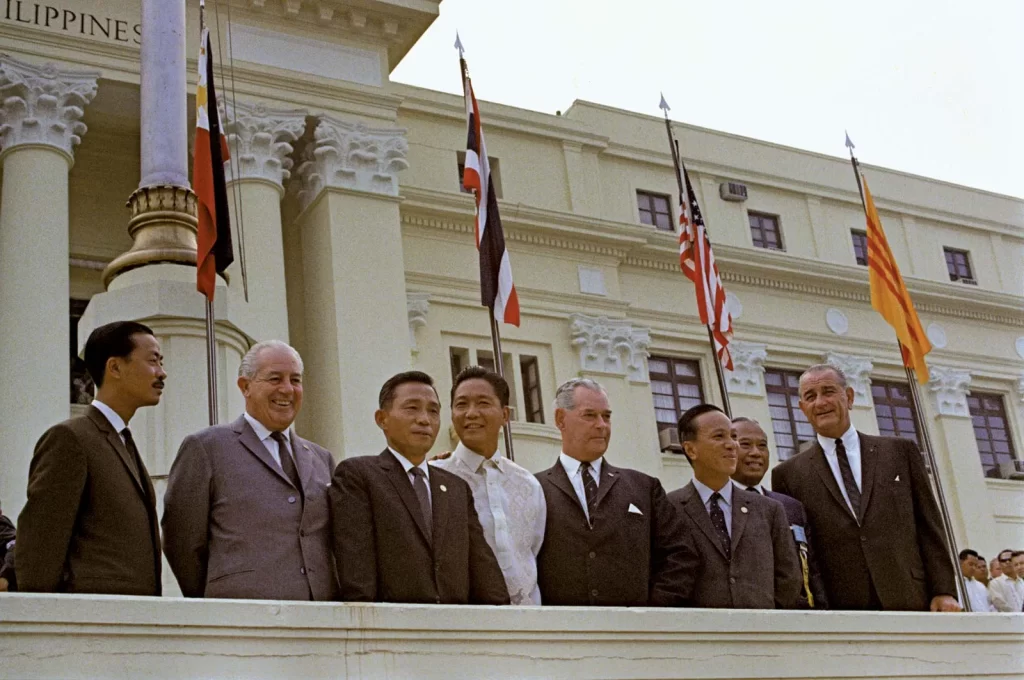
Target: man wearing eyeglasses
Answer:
pixel 1007 591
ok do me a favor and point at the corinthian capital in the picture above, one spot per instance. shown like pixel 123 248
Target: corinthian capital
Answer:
pixel 949 387
pixel 858 374
pixel 260 140
pixel 611 346
pixel 43 104
pixel 352 156
pixel 747 374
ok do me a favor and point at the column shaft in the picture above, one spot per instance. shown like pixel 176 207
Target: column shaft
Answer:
pixel 162 92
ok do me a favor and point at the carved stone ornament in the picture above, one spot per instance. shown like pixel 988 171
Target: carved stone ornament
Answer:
pixel 43 104
pixel 950 387
pixel 858 374
pixel 352 156
pixel 611 346
pixel 747 374
pixel 260 140
pixel 1020 387
pixel 418 305
pixel 836 321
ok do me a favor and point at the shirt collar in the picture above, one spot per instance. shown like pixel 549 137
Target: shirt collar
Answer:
pixel 473 460
pixel 572 466
pixel 706 491
pixel 111 415
pixel 743 487
pixel 850 440
pixel 407 464
pixel 261 430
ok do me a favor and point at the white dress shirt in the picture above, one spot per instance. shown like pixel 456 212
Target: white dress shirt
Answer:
pixel 725 503
pixel 269 443
pixel 759 488
pixel 572 468
pixel 408 466
pixel 510 504
pixel 851 442
pixel 977 593
pixel 1007 594
pixel 111 415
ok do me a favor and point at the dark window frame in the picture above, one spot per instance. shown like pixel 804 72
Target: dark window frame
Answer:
pixel 649 198
pixel 80 384
pixel 675 380
pixel 893 396
pixel 788 390
pixel 495 165
pixel 979 410
pixel 859 237
pixel 762 227
pixel 958 264
pixel 533 402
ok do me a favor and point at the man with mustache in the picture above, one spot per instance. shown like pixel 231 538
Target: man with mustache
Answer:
pixel 751 466
pixel 90 523
pixel 870 505
pixel 747 560
pixel 246 511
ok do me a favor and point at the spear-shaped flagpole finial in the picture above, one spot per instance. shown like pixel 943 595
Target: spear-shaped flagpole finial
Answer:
pixel 664 105
pixel 849 142
pixel 458 44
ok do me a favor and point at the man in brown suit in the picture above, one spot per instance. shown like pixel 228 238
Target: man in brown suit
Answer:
pixel 90 523
pixel 747 559
pixel 246 513
pixel 869 502
pixel 405 531
pixel 612 538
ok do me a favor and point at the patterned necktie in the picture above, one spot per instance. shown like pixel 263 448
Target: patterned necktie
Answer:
pixel 287 462
pixel 135 462
pixel 718 521
pixel 589 489
pixel 419 484
pixel 846 472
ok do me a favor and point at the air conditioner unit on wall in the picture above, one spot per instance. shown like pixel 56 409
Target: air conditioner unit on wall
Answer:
pixel 1013 469
pixel 732 191
pixel 669 440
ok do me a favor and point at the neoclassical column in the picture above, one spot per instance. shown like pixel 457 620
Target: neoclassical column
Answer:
pixel 957 458
pixel 40 124
pixel 857 370
pixel 355 308
pixel 614 352
pixel 260 140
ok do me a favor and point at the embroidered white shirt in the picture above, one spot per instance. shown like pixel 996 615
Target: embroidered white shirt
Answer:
pixel 512 510
pixel 978 595
pixel 1007 594
pixel 851 442
pixel 572 468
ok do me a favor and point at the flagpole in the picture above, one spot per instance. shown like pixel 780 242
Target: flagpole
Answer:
pixel 922 426
pixel 677 163
pixel 211 338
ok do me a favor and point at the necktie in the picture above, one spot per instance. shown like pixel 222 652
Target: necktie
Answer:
pixel 419 484
pixel 718 521
pixel 135 462
pixel 287 462
pixel 589 489
pixel 846 472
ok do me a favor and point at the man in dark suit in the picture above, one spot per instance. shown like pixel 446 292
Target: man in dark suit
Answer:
pixel 751 466
pixel 246 514
pixel 611 538
pixel 90 523
pixel 869 502
pixel 405 531
pixel 747 560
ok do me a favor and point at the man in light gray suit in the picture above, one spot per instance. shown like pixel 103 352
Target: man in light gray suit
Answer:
pixel 246 509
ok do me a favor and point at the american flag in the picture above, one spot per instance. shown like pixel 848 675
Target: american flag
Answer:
pixel 698 263
pixel 497 291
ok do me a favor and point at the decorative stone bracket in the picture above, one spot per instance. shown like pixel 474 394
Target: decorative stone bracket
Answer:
pixel 747 375
pixel 950 387
pixel 858 374
pixel 417 305
pixel 611 346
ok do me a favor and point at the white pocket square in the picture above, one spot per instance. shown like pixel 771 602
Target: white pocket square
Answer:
pixel 635 510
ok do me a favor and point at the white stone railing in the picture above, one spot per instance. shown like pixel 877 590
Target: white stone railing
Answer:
pixel 120 637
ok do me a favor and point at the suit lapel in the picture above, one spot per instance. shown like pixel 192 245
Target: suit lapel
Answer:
pixel 114 439
pixel 400 480
pixel 693 506
pixel 821 466
pixel 609 475
pixel 556 475
pixel 439 510
pixel 868 466
pixel 303 459
pixel 247 437
pixel 739 518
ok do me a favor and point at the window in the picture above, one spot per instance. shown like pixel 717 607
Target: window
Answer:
pixel 764 230
pixel 495 165
pixel 533 405
pixel 654 210
pixel 81 384
pixel 675 385
pixel 988 414
pixel 788 422
pixel 958 264
pixel 894 411
pixel 860 246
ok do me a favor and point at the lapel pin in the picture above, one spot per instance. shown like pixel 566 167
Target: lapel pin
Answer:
pixel 897 478
pixel 444 488
pixel 743 509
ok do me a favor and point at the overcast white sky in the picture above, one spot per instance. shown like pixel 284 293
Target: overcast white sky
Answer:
pixel 931 87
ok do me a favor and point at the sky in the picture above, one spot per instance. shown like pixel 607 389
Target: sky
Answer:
pixel 930 87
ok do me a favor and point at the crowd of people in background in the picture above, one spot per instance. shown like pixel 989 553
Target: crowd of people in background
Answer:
pixel 252 510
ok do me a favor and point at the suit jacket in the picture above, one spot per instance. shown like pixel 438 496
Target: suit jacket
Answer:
pixel 796 517
pixel 895 548
pixel 90 523
pixel 381 545
pixel 763 571
pixel 620 558
pixel 236 527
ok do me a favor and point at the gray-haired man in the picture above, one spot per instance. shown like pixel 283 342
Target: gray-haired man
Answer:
pixel 246 511
pixel 612 538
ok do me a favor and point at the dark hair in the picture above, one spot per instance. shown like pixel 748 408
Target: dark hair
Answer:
pixel 480 373
pixel 688 421
pixel 110 340
pixel 1000 555
pixel 387 392
pixel 744 419
pixel 967 552
pixel 1016 553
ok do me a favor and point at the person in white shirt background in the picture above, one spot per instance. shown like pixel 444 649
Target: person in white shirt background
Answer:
pixel 1007 590
pixel 977 593
pixel 508 498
